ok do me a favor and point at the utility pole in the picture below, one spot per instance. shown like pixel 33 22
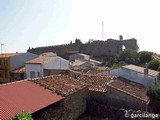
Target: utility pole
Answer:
pixel 102 29
pixel 1 48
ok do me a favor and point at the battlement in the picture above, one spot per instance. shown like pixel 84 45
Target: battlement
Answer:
pixel 110 47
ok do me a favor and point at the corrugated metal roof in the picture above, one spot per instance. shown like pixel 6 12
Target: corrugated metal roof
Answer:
pixel 151 73
pixel 24 95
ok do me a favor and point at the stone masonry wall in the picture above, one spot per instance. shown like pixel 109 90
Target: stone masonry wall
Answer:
pixel 123 100
pixel 70 108
pixel 103 112
pixel 75 104
pixel 96 48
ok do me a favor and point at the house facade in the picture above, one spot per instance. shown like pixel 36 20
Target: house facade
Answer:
pixel 35 67
pixel 144 76
pixel 11 61
pixel 116 92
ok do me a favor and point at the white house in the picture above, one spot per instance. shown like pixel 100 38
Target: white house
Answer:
pixel 35 67
pixel 144 76
pixel 79 56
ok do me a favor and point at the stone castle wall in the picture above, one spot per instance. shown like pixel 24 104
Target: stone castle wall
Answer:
pixel 96 48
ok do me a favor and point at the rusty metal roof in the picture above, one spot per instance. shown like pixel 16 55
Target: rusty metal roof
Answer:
pixel 24 95
pixel 151 73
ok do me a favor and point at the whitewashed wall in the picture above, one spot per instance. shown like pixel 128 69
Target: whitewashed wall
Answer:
pixel 56 63
pixel 137 77
pixel 79 57
pixel 132 75
pixel 34 67
pixel 114 72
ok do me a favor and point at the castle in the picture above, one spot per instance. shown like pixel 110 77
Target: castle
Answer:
pixel 96 48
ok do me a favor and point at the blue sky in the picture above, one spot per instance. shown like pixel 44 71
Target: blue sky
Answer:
pixel 35 23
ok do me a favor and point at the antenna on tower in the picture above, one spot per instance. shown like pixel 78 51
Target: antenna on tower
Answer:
pixel 1 48
pixel 102 29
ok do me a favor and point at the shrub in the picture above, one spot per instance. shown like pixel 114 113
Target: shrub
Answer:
pixel 22 116
pixel 154 91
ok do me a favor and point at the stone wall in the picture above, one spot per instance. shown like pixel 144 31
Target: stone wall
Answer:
pixel 75 104
pixel 51 112
pixel 96 48
pixel 70 108
pixel 98 111
pixel 123 100
pixel 99 96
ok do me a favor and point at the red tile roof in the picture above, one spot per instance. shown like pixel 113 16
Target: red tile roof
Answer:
pixel 61 84
pixel 24 95
pixel 98 69
pixel 96 82
pixel 7 55
pixel 39 60
pixel 131 88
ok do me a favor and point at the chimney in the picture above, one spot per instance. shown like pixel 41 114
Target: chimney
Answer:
pixel 146 76
pixel 146 71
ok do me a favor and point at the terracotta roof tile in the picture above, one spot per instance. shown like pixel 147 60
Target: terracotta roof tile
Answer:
pixel 20 70
pixel 39 60
pixel 7 55
pixel 98 69
pixel 24 95
pixel 96 82
pixel 61 84
pixel 131 88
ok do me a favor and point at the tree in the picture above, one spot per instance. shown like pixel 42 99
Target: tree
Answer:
pixel 129 56
pixel 154 91
pixel 153 64
pixel 120 64
pixel 145 56
pixel 23 116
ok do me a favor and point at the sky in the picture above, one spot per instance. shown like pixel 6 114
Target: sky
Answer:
pixel 37 23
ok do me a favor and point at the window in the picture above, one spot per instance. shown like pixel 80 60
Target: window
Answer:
pixel 38 74
pixel 1 62
pixel 32 74
pixel 6 75
pixel 5 62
